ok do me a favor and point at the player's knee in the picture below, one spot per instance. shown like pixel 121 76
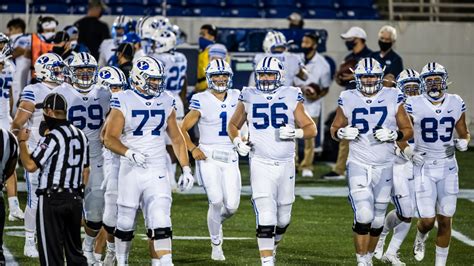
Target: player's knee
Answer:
pixel 266 231
pixel 159 233
pixel 364 215
pixel 95 226
pixel 284 219
pixel 124 235
pixel 109 229
pixel 378 221
pixel 126 218
pixel 375 232
pixel 361 228
pixel 217 205
pixel 228 212
pixel 267 217
pixel 444 223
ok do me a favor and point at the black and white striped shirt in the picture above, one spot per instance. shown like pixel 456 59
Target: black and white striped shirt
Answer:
pixel 62 156
pixel 8 154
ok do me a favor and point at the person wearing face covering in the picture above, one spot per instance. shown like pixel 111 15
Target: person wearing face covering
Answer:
pixel 65 45
pixel 62 157
pixel 41 42
pixel 207 37
pixel 392 62
pixel 314 89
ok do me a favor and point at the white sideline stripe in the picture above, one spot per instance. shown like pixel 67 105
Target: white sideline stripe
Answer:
pixel 144 237
pixel 459 236
pixel 307 197
pixel 9 259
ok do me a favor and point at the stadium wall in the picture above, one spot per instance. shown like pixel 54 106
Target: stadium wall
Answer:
pixel 449 43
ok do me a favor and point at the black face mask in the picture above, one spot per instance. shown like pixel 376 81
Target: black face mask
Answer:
pixel 306 50
pixel 385 46
pixel 58 50
pixel 350 45
pixel 52 123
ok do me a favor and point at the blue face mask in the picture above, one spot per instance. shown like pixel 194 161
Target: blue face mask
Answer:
pixel 204 43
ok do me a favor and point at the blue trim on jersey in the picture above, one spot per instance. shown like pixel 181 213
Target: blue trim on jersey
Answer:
pixel 339 102
pixel 254 205
pixel 397 205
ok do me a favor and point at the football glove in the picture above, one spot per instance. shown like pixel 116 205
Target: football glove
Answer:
pixel 288 132
pixel 385 135
pixel 242 148
pixel 348 132
pixel 186 180
pixel 136 158
pixel 414 156
pixel 461 144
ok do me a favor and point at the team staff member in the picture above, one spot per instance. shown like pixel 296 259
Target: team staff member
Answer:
pixel 63 159
pixel 392 62
pixel 8 160
pixel 207 37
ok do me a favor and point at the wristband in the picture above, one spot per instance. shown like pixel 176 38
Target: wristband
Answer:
pixel 191 150
pixel 399 135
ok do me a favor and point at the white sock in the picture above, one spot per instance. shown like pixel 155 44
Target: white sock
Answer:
pixel 399 234
pixel 266 243
pixel 29 237
pixel 391 221
pixel 122 249
pixel 360 258
pixel 278 238
pixel 89 242
pixel 155 262
pixel 441 256
pixel 369 256
pixel 421 236
pixel 13 203
pixel 110 246
pixel 30 219
pixel 98 256
pixel 166 260
pixel 267 260
pixel 214 221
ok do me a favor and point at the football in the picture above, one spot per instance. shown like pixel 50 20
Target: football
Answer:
pixel 345 68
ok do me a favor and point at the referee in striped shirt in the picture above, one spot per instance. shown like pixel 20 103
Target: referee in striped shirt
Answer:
pixel 8 160
pixel 63 159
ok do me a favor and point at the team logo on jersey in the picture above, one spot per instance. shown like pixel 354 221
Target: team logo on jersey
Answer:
pixel 438 111
pixel 223 106
pixel 85 98
pixel 142 65
pixel 105 74
pixel 369 101
pixel 148 103
pixel 43 60
pixel 269 98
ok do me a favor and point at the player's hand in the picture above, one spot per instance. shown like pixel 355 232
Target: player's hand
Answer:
pixel 198 154
pixel 242 148
pixel 461 144
pixel 136 158
pixel 414 156
pixel 23 134
pixel 186 180
pixel 385 135
pixel 348 132
pixel 288 132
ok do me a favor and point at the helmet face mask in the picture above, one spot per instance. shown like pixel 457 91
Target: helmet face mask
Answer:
pixel 112 78
pixel 369 84
pixel 148 76
pixel 154 85
pixel 84 77
pixel 50 67
pixel 411 89
pixel 220 82
pixel 269 74
pixel 219 75
pixel 409 82
pixel 434 86
pixel 368 76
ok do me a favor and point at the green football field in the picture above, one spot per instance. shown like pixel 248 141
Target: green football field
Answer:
pixel 320 232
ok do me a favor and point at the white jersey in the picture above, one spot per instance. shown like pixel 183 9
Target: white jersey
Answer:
pixel 105 52
pixel 434 124
pixel 319 73
pixel 5 86
pixel 266 113
pixel 291 62
pixel 215 116
pixel 21 76
pixel 367 113
pixel 175 69
pixel 145 122
pixel 87 112
pixel 35 93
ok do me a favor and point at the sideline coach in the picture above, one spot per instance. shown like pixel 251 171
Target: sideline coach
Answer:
pixel 63 159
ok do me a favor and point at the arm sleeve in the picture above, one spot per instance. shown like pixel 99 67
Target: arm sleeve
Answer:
pixel 46 148
pixel 195 104
pixel 408 106
pixel 116 103
pixel 28 95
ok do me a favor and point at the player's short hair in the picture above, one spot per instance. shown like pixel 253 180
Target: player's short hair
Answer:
pixel 17 23
pixel 211 29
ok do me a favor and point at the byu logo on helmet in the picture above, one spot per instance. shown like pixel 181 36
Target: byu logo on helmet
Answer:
pixel 105 74
pixel 43 60
pixel 142 65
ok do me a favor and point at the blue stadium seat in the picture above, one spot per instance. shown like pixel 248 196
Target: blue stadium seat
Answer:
pixel 361 13
pixel 243 3
pixel 159 2
pixel 177 11
pixel 200 3
pixel 172 2
pixel 124 2
pixel 44 2
pixel 78 2
pixel 255 40
pixel 12 8
pixel 80 9
pixel 129 10
pixel 356 3
pixel 280 3
pixel 206 11
pixel 51 8
pixel 332 65
pixel 279 12
pixel 155 10
pixel 319 3
pixel 320 13
pixel 243 12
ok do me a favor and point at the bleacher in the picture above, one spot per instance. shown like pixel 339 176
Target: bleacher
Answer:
pixel 311 9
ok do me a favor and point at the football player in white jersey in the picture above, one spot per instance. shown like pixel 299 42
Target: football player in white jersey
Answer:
pixel 369 117
pixel 275 45
pixel 114 79
pixel 436 115
pixel 216 160
pixel 403 192
pixel 272 111
pixel 121 26
pixel 49 71
pixel 141 118
pixel 88 105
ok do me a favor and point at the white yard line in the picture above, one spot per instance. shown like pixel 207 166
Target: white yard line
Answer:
pixel 459 236
pixel 9 259
pixel 307 197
